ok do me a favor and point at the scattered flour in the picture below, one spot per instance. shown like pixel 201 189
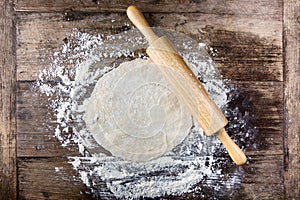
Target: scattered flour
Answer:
pixel 69 81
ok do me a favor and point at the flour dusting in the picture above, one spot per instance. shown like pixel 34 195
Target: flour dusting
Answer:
pixel 69 81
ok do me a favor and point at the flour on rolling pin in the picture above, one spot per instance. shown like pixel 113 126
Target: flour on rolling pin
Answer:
pixel 85 59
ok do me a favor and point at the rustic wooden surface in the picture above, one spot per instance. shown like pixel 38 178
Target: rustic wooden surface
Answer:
pixel 257 47
pixel 292 96
pixel 8 165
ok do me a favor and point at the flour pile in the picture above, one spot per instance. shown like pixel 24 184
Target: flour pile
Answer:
pixel 69 82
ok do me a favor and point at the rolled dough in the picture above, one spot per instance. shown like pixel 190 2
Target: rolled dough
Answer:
pixel 134 114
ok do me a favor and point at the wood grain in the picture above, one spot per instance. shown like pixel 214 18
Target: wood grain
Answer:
pixel 8 175
pixel 243 48
pixel 265 151
pixel 247 45
pixel 261 185
pixel 36 125
pixel 257 184
pixel 292 98
pixel 233 7
pixel 36 174
pixel 36 121
pixel 41 34
pixel 243 53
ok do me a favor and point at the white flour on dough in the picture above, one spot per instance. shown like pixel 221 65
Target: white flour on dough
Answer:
pixel 134 114
pixel 83 60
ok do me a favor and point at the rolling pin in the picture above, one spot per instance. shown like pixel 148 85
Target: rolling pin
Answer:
pixel 186 86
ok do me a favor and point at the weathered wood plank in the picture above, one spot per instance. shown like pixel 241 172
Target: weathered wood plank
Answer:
pixel 263 179
pixel 62 182
pixel 40 35
pixel 242 47
pixel 36 125
pixel 232 7
pixel 8 175
pixel 36 121
pixel 41 178
pixel 265 104
pixel 245 50
pixel 292 98
pixel 42 146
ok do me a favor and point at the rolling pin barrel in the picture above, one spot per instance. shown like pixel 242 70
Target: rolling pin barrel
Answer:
pixel 186 86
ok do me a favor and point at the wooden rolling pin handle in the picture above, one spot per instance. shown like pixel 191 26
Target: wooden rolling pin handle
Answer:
pixel 138 19
pixel 236 154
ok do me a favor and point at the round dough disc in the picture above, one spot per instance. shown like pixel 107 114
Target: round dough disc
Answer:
pixel 134 114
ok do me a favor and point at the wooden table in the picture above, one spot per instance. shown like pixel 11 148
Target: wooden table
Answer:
pixel 258 48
